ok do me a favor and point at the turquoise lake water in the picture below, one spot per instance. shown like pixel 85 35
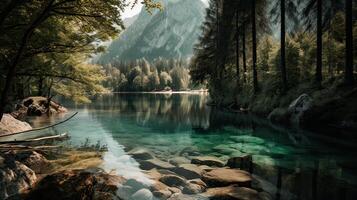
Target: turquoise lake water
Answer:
pixel 291 164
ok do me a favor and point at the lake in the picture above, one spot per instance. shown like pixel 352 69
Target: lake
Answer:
pixel 291 164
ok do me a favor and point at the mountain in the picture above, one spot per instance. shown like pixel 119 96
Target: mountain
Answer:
pixel 170 33
pixel 129 21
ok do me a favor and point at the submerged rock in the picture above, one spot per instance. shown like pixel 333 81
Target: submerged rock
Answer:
pixel 233 192
pixel 10 125
pixel 224 149
pixel 254 149
pixel 223 177
pixel 155 163
pixel 135 185
pixel 192 188
pixel 186 197
pixel 143 194
pixel 162 194
pixel 189 171
pixel 198 182
pixel 125 192
pixel 242 162
pixel 173 181
pixel 189 151
pixel 208 160
pixel 141 154
pixel 247 139
pixel 179 160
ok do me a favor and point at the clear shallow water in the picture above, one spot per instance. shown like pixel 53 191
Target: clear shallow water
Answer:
pixel 301 165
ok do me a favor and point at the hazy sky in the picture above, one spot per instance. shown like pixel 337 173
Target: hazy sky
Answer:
pixel 131 12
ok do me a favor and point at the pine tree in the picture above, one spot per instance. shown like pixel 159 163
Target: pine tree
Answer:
pixel 287 11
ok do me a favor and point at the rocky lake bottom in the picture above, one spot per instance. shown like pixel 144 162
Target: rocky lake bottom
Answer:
pixel 176 147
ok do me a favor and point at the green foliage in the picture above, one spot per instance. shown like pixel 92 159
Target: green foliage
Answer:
pixel 165 79
pixel 145 76
pixel 49 43
pixel 180 78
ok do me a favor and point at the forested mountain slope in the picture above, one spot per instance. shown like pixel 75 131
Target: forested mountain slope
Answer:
pixel 170 33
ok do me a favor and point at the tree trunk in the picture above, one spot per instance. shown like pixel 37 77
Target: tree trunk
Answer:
pixel 244 54
pixel 329 49
pixel 282 46
pixel 40 86
pixel 225 30
pixel 237 47
pixel 349 78
pixel 318 75
pixel 254 38
pixel 11 72
pixel 15 61
pixel 218 36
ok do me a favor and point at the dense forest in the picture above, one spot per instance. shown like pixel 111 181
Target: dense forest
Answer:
pixel 141 75
pixel 261 55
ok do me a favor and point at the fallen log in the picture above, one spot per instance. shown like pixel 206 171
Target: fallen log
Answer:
pixel 42 128
pixel 23 147
pixel 40 139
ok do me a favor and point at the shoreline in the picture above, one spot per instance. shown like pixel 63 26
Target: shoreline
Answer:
pixel 163 92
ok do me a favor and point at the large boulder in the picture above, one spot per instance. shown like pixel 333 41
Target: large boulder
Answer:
pixel 77 184
pixel 37 106
pixel 9 125
pixel 208 160
pixel 298 107
pixel 221 177
pixel 330 115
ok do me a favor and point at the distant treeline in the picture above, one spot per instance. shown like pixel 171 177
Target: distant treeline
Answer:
pixel 141 75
